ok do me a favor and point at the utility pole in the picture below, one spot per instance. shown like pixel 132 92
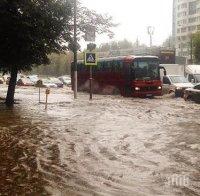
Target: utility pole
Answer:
pixel 191 49
pixel 150 31
pixel 75 49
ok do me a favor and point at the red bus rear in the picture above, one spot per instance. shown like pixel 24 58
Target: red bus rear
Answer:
pixel 136 76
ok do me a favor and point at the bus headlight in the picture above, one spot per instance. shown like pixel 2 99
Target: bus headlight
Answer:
pixel 159 88
pixel 137 88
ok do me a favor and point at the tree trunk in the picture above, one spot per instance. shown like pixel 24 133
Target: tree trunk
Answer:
pixel 11 87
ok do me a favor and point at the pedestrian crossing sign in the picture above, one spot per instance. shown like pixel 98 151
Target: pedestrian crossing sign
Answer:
pixel 90 58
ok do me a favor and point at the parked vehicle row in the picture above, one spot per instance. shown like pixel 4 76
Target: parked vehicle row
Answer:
pixel 175 84
pixel 34 80
pixel 181 87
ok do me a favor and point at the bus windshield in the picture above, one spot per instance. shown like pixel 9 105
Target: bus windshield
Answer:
pixel 146 69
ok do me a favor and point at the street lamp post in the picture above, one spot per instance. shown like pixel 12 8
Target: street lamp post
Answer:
pixel 150 30
pixel 75 49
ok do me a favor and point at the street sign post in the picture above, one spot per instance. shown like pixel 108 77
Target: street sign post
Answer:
pixel 90 60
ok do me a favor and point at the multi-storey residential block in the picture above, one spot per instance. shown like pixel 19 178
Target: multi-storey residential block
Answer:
pixel 186 21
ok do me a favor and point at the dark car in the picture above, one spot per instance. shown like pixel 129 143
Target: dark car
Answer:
pixel 193 93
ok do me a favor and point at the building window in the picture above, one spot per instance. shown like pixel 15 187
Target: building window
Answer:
pixel 192 20
pixel 184 5
pixel 192 28
pixel 192 7
pixel 183 30
pixel 183 38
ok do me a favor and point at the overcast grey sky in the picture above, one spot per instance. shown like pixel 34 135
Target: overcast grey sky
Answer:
pixel 134 16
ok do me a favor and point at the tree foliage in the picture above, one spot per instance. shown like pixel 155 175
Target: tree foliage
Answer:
pixel 30 30
pixel 103 23
pixel 196 46
pixel 116 45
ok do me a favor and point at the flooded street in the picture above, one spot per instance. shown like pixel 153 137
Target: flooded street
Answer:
pixel 109 146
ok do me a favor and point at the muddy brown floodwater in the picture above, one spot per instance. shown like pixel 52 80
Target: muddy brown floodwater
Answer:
pixel 108 146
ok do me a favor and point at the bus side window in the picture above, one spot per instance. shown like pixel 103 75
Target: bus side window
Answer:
pixel 81 67
pixel 117 66
pixel 120 64
pixel 103 66
pixel 98 67
pixel 94 68
pixel 109 66
pixel 135 63
pixel 113 66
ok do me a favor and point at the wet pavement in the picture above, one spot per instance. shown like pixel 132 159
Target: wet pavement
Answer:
pixel 108 146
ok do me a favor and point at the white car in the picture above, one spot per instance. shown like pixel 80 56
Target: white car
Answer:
pixel 175 84
pixel 193 73
pixel 33 78
pixel 46 83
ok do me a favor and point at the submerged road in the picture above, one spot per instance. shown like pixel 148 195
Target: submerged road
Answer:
pixel 109 146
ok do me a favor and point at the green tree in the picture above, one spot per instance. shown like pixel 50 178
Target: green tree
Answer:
pixel 29 31
pixel 32 30
pixel 115 45
pixel 196 46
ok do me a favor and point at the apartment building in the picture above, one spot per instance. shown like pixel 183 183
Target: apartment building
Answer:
pixel 186 21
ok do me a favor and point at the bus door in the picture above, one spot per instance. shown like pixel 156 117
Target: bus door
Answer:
pixel 128 77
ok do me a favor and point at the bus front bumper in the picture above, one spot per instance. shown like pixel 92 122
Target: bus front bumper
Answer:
pixel 147 93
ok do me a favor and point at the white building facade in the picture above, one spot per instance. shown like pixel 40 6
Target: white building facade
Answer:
pixel 186 21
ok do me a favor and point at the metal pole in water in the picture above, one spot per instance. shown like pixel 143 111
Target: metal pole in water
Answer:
pixel 90 82
pixel 39 94
pixel 75 49
pixel 47 93
pixel 46 102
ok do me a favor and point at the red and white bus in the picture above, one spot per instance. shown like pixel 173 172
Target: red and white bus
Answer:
pixel 137 76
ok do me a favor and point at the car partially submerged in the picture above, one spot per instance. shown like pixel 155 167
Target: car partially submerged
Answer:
pixel 33 78
pixel 175 84
pixel 56 81
pixel 65 79
pixel 25 82
pixel 193 93
pixel 45 83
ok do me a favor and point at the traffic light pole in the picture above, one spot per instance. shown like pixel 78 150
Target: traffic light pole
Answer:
pixel 75 49
pixel 90 82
